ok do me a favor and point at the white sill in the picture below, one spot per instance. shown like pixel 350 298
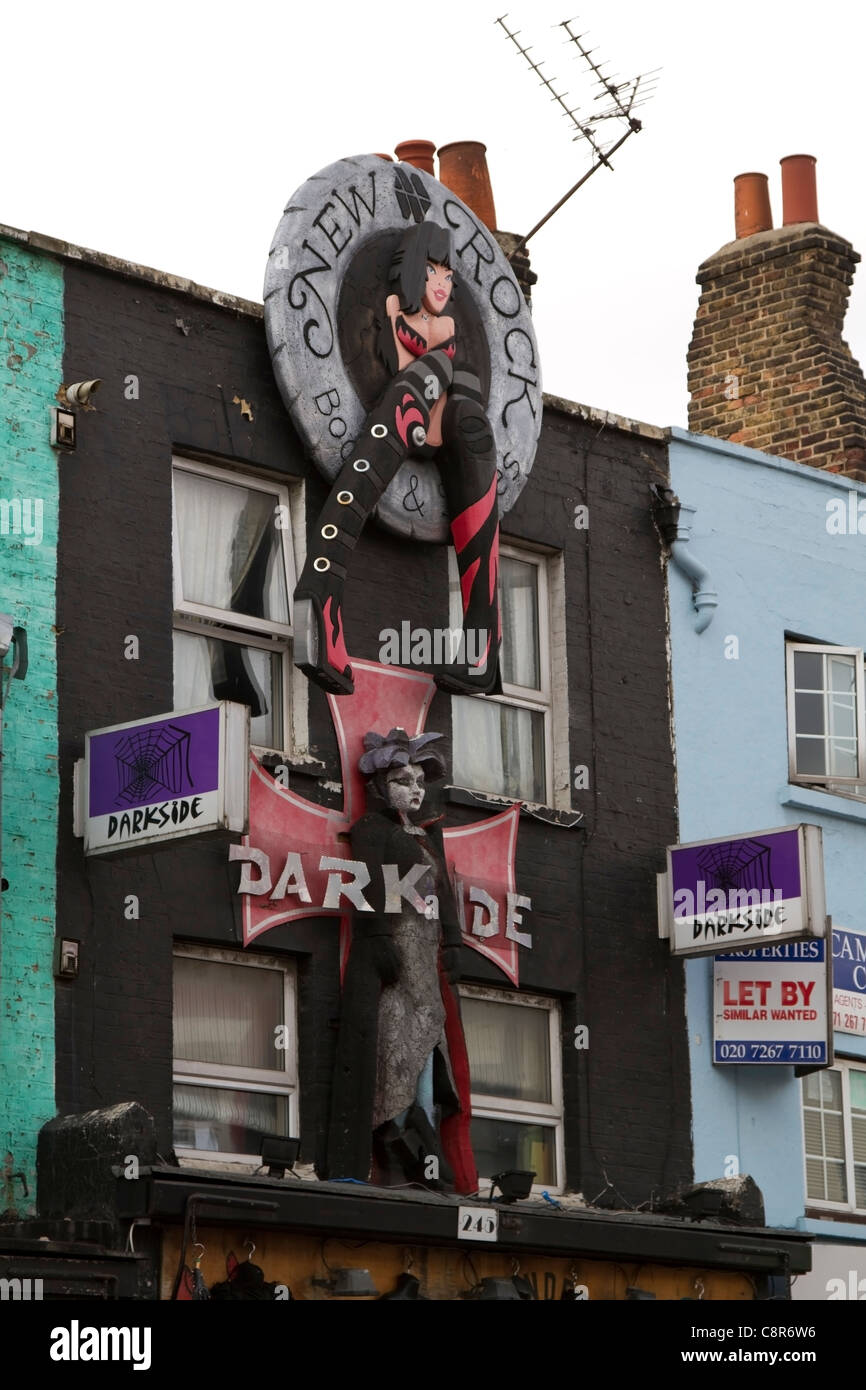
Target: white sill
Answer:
pixel 536 1194
pixel 298 761
pixel 552 815
pixel 196 1160
pixel 848 1225
pixel 239 1165
pixel 837 804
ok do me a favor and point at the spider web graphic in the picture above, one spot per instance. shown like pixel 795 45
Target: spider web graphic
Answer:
pixel 152 762
pixel 736 864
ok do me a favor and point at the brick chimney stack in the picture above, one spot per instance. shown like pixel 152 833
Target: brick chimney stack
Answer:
pixel 768 366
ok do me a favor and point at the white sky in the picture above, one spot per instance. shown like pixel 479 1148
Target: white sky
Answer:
pixel 173 135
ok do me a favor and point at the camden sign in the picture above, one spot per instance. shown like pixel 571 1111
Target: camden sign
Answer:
pixel 849 981
pixel 740 892
pixel 153 781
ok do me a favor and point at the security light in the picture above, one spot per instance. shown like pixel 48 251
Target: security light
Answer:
pixel 515 1185
pixel 279 1154
pixel 79 392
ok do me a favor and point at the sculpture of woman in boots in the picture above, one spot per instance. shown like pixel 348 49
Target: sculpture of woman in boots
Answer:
pixel 401 1066
pixel 431 407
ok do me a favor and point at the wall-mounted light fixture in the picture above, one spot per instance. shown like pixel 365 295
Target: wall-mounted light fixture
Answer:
pixel 515 1185
pixel 62 428
pixel 279 1154
pixel 79 392
pixel 66 958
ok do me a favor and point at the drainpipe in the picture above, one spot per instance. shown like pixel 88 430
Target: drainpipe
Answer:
pixel 674 521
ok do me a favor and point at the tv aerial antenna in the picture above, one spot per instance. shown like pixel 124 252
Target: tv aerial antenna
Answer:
pixel 621 97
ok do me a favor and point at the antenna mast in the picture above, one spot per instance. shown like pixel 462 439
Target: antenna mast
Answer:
pixel 624 97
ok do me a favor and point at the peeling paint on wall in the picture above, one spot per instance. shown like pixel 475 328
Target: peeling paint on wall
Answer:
pixel 31 312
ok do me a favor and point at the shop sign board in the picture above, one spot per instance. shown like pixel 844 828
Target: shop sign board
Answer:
pixel 773 1006
pixel 738 891
pixel 154 781
pixel 849 981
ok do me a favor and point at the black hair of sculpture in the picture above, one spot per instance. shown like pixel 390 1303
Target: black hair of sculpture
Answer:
pixel 426 242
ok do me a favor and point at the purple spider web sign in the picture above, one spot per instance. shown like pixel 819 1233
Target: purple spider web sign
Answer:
pixel 738 892
pixel 162 779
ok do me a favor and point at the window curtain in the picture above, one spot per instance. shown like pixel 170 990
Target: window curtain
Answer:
pixel 206 668
pixel 226 1014
pixel 519 595
pixel 205 1105
pixel 230 549
pixel 509 1049
pixel 498 748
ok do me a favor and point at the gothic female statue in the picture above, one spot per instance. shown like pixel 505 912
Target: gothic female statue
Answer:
pixel 433 407
pixel 401 1081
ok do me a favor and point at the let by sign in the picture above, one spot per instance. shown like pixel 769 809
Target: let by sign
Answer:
pixel 772 1006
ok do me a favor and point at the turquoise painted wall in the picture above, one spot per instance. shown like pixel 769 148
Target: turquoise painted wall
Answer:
pixel 761 529
pixel 31 355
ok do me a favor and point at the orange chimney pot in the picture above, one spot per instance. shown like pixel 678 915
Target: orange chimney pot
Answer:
pixel 752 211
pixel 417 152
pixel 799 189
pixel 463 169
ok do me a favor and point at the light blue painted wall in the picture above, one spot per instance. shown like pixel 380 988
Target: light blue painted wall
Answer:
pixel 761 529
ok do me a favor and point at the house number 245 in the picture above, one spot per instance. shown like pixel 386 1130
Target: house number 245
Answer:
pixel 477 1223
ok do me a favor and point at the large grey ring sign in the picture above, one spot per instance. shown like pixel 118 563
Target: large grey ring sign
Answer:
pixel 324 295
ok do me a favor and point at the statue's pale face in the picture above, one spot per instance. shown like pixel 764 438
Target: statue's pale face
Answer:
pixel 406 787
pixel 437 291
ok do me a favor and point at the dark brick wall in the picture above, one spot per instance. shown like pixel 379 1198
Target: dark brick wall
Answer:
pixel 593 890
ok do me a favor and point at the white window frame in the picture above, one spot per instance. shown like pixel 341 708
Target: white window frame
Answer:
pixel 845 786
pixel 548 1116
pixel 203 620
pixel 540 700
pixel 279 1081
pixel 843 1065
